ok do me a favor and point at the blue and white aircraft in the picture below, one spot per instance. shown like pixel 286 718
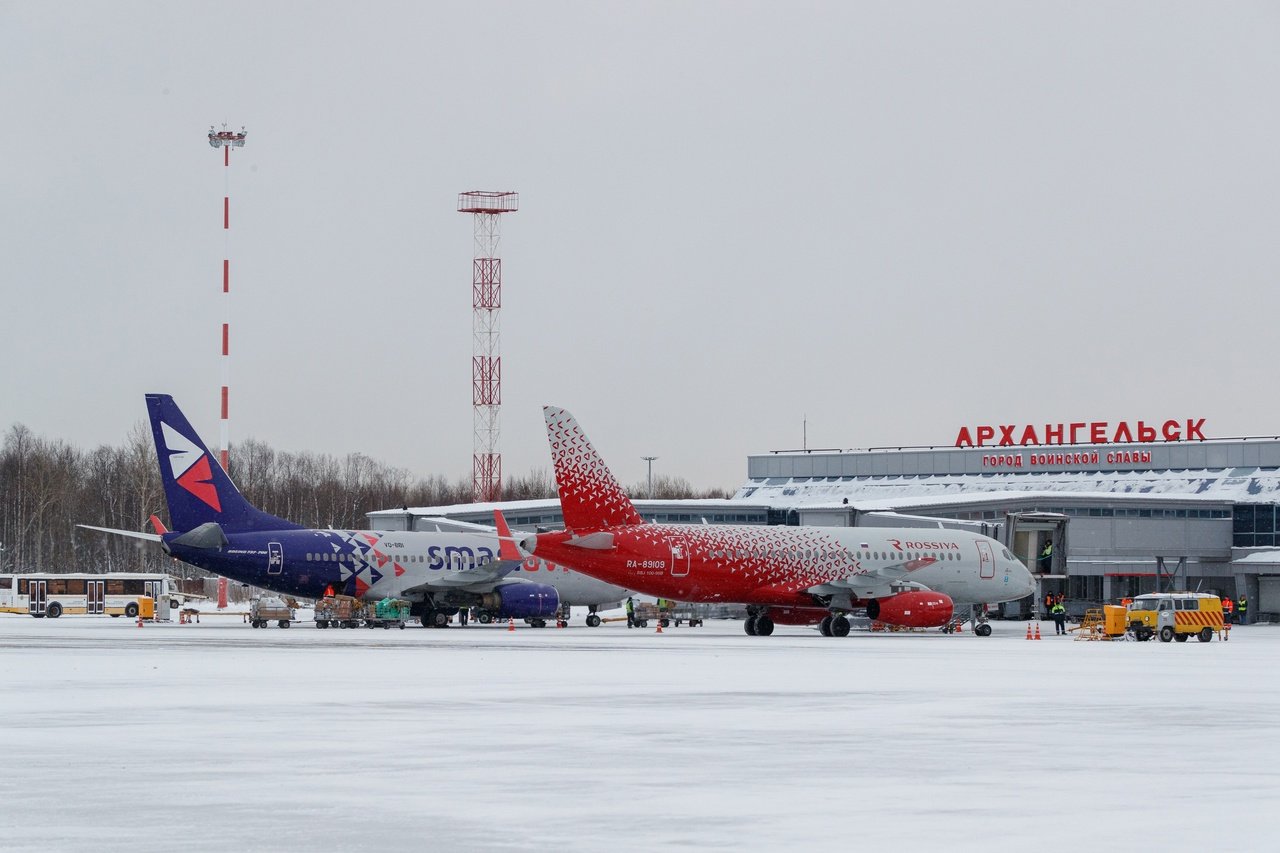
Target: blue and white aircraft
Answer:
pixel 216 529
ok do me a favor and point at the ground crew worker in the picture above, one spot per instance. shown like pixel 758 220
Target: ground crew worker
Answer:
pixel 463 613
pixel 1228 609
pixel 1059 614
pixel 1242 608
pixel 1046 556
pixel 631 612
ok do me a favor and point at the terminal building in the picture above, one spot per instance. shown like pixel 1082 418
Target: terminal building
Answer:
pixel 1165 509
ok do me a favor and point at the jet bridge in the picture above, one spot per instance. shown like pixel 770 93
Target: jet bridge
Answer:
pixel 1025 534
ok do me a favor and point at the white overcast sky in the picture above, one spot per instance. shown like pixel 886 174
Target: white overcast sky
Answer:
pixel 893 218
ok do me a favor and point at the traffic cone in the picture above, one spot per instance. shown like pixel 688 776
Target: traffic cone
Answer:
pixel 139 621
pixel 1028 630
pixel 659 622
pixel 511 624
pixel 1037 630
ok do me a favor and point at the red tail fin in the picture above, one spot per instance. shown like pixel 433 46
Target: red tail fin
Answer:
pixel 590 497
pixel 158 525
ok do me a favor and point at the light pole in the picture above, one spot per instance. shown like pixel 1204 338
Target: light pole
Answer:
pixel 650 459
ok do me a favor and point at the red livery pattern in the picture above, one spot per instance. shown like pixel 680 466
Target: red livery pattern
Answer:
pixel 799 574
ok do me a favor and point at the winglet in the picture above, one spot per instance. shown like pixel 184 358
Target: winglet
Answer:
pixel 158 525
pixel 507 549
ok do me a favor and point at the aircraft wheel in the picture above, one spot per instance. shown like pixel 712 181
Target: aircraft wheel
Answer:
pixel 824 627
pixel 750 626
pixel 1205 635
pixel 1166 634
pixel 839 627
pixel 983 630
pixel 593 621
pixel 484 618
pixel 764 626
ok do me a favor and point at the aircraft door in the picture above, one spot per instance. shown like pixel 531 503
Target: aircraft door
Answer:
pixel 986 560
pixel 275 558
pixel 38 592
pixel 679 560
pixel 95 597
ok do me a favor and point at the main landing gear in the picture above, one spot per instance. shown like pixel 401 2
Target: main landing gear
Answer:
pixel 835 625
pixel 759 626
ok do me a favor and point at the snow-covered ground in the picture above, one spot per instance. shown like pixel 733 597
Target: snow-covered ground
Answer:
pixel 221 737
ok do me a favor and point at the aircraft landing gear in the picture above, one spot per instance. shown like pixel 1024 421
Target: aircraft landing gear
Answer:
pixel 764 626
pixel 839 626
pixel 824 627
pixel 593 621
pixel 750 626
pixel 983 629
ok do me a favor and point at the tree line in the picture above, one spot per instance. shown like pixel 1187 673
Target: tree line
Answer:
pixel 48 486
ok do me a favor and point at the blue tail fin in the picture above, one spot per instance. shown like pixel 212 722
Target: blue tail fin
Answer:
pixel 197 489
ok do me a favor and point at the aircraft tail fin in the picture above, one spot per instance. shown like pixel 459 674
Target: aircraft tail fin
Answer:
pixel 196 488
pixel 590 496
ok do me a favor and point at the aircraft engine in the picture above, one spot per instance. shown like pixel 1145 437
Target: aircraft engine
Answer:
pixel 915 609
pixel 522 601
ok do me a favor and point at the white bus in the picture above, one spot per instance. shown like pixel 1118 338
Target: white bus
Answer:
pixel 114 594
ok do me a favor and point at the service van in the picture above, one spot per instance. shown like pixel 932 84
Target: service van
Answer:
pixel 1175 616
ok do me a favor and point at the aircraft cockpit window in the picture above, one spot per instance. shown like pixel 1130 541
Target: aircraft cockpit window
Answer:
pixel 1007 555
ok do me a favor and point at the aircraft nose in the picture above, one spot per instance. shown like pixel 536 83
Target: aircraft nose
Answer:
pixel 1024 578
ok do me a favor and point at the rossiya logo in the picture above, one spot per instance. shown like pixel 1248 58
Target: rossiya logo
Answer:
pixel 190 466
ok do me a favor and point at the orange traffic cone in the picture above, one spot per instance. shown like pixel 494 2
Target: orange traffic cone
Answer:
pixel 1037 630
pixel 659 621
pixel 511 624
pixel 1028 630
pixel 139 621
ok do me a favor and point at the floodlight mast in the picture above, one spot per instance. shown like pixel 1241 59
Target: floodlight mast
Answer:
pixel 486 209
pixel 226 140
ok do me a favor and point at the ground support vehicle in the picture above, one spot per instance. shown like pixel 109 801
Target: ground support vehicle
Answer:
pixel 387 613
pixel 340 611
pixel 268 609
pixel 680 613
pixel 1175 616
pixel 1102 623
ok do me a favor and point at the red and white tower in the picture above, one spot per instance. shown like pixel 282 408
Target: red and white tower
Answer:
pixel 486 360
pixel 226 140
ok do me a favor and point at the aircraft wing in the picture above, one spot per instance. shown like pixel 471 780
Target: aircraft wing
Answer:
pixel 150 537
pixel 877 583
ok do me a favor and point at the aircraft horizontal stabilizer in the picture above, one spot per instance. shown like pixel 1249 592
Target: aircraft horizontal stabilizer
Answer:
pixel 593 541
pixel 208 535
pixel 150 537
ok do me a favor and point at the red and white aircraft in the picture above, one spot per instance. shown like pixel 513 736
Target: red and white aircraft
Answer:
pixel 789 575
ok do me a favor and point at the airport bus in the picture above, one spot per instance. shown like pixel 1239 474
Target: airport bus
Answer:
pixel 41 594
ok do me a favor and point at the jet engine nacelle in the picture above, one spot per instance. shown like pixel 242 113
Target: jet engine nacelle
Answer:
pixel 916 609
pixel 522 601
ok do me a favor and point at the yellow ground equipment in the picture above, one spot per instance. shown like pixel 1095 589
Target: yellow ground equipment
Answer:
pixel 1102 623
pixel 1175 616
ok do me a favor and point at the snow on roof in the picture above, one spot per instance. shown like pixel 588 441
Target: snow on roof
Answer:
pixel 1235 484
